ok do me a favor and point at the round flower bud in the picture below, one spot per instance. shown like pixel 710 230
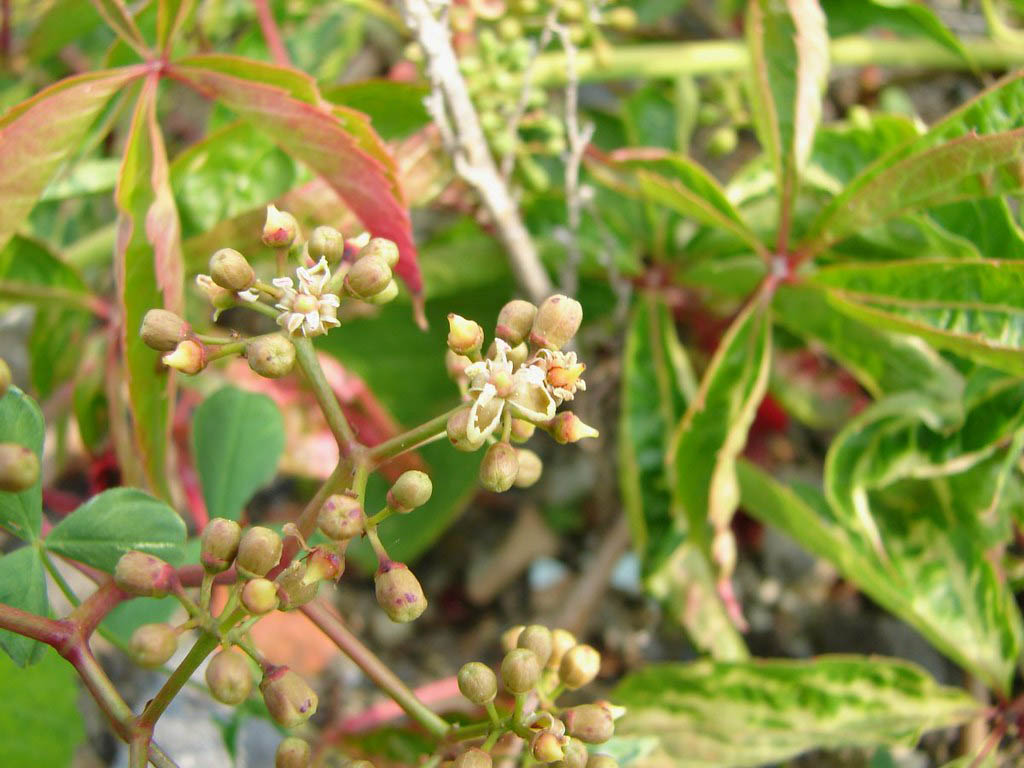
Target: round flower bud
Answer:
pixel 412 489
pixel 143 575
pixel 258 552
pixel 288 697
pixel 341 517
pixel 368 277
pixel 230 269
pixel 323 564
pixel 456 365
pixel 153 644
pixel 5 377
pixel 723 552
pixel 579 666
pixel 229 677
pixel 515 321
pixel 162 330
pixel 522 430
pixel 499 468
pixel 601 761
pixel 327 243
pixel 292 752
pixel 381 248
pixel 280 228
pixel 510 637
pixel 520 670
pixel 622 17
pixel 723 141
pixel 388 294
pixel 259 596
pixel 530 468
pixel 272 356
pixel 536 638
pixel 399 592
pixel 557 321
pixel 473 758
pixel 19 468
pixel 188 357
pixel 219 544
pixel 589 723
pixel 567 427
pixel 477 682
pixel 361 764
pixel 576 754
pixel 546 747
pixel 294 590
pixel 456 428
pixel 465 337
pixel 562 640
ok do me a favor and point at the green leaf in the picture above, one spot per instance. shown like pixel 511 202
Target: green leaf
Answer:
pixel 657 384
pixel 396 108
pixel 40 719
pixel 934 573
pixel 905 17
pixel 89 398
pixel 171 16
pixel 237 441
pixel 23 585
pixel 788 45
pixel 973 152
pixel 150 274
pixel 987 223
pixel 971 307
pixel 39 134
pixel 21 422
pixel 714 430
pixel 114 522
pixel 710 714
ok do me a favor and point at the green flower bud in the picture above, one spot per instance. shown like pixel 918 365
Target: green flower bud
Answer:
pixel 280 228
pixel 288 697
pixel 576 754
pixel 412 489
pixel 327 243
pixel 477 682
pixel 272 356
pixel 562 640
pixel 293 588
pixel 456 365
pixel 230 269
pixel 229 677
pixel 530 468
pixel 579 666
pixel 341 517
pixel 723 141
pixel 259 596
pixel 399 592
pixel 162 330
pixel 510 637
pixel 572 10
pixel 5 377
pixel 509 28
pixel 381 248
pixel 323 564
pixel 589 723
pixel 601 761
pixel 536 638
pixel 567 427
pixel 389 293
pixel 709 114
pixel 143 575
pixel 723 552
pixel 557 321
pixel 546 747
pixel 361 764
pixel 219 544
pixel 499 468
pixel 292 752
pixel 518 354
pixel 622 18
pixel 465 337
pixel 153 644
pixel 456 428
pixel 515 321
pixel 522 430
pixel 520 670
pixel 19 468
pixel 473 758
pixel 368 277
pixel 258 552
pixel 189 356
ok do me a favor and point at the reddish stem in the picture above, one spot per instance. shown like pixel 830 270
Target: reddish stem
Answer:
pixel 272 34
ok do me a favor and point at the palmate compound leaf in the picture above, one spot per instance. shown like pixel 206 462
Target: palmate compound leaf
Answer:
pixel 712 714
pixel 21 422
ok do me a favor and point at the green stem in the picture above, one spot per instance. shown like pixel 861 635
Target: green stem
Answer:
pixel 379 518
pixel 474 731
pixel 374 668
pixel 305 355
pixel 406 441
pixel 493 714
pixel 226 350
pixel 258 306
pixel 378 548
pixel 492 739
pixel 58 577
pixel 517 715
pixel 206 591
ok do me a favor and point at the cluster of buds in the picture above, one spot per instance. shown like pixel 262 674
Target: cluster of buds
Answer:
pixel 539 664
pixel 330 270
pixel 517 387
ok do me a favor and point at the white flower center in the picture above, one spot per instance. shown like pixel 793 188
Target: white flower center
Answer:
pixel 305 303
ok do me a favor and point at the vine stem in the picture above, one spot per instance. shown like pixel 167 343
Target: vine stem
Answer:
pixel 406 441
pixel 305 356
pixel 375 669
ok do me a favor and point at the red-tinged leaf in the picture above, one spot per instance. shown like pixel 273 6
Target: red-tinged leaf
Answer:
pixel 39 134
pixel 336 142
pixel 120 20
pixel 149 274
pixel 171 15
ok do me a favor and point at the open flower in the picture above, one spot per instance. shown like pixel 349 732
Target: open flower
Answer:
pixel 494 385
pixel 309 307
pixel 562 373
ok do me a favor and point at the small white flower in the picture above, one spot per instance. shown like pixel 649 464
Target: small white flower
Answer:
pixel 494 385
pixel 308 308
pixel 561 372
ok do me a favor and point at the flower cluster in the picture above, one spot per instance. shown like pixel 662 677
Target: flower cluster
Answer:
pixel 517 387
